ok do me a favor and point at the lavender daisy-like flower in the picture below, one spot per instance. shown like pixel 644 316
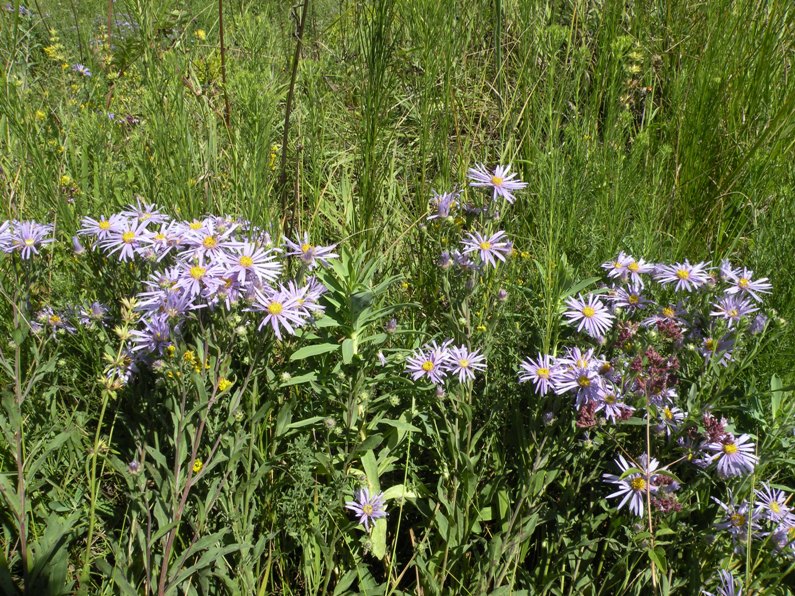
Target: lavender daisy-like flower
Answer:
pixel 208 242
pixel 309 253
pixel 501 181
pixel 102 228
pixel 81 69
pixel 145 212
pixel 728 585
pixel 540 372
pixel 611 403
pixel 464 363
pixel 732 309
pixel 126 241
pixel 442 204
pixel 463 261
pixel 629 298
pixel 735 455
pixel 632 488
pixel 154 337
pixel 281 308
pixel 771 503
pixel 28 236
pixel 742 283
pixel 195 278
pixel 367 507
pixel 488 248
pixel 93 313
pixel 687 277
pixel 590 315
pixel 670 419
pixel 430 362
pixel 719 349
pixel 737 519
pixel 248 261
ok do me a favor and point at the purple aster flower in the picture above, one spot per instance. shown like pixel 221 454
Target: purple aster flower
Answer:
pixel 687 277
pixel 54 320
pixel 127 241
pixel 367 507
pixel 592 315
pixel 464 363
pixel 81 69
pixel 737 519
pixel 633 487
pixel 758 324
pixel 728 585
pixel 611 403
pixel 627 269
pixel 717 349
pixel 162 242
pixel 444 261
pixel 28 236
pixel 309 253
pixel 463 261
pixel 732 309
pixel 735 455
pixel 154 337
pixel 442 204
pixel 207 243
pixel 77 248
pixel 771 504
pixel 282 309
pixel 93 313
pixel 430 362
pixel 102 228
pixel 667 314
pixel 629 298
pixel 540 371
pixel 488 248
pixel 5 236
pixel 195 278
pixel 670 419
pixel 742 283
pixel 587 382
pixel 145 212
pixel 501 181
pixel 247 260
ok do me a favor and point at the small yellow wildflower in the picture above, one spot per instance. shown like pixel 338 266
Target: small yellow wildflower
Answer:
pixel 481 328
pixel 200 34
pixel 171 350
pixel 197 466
pixel 189 357
pixel 272 158
pixel 224 384
pixel 66 180
pixel 40 115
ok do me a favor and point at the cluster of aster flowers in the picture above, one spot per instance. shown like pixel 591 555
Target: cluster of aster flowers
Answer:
pixel 768 518
pixel 436 362
pixel 477 249
pixel 25 238
pixel 214 262
pixel 646 322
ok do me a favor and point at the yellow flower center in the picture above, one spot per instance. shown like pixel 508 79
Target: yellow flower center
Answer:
pixel 275 308
pixel 427 366
pixel 543 373
pixel 737 520
pixel 729 448
pixel 638 484
pixel 617 265
pixel 160 236
pixel 128 237
pixel 584 382
pixel 581 363
pixel 610 398
pixel 668 311
pixel 104 225
pixel 367 509
pixel 709 344
pixel 197 272
pixel 775 507
pixel 54 319
pixel 485 245
pixel 743 283
pixel 463 363
pixel 734 313
pixel 634 267
pixel 29 242
pixel 633 299
pixel 195 225
pixel 588 311
pixel 682 274
pixel 306 247
pixel 246 261
pixel 669 415
pixel 496 181
pixel 210 242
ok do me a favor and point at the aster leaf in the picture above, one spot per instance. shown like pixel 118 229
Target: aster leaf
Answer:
pixel 313 350
pixel 378 538
pixel 629 472
pixel 370 466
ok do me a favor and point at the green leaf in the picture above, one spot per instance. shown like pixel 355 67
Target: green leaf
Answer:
pixel 370 466
pixel 299 380
pixel 313 350
pixel 398 492
pixel 347 351
pixel 378 538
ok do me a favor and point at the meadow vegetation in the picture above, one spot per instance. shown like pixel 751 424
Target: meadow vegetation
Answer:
pixel 307 355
